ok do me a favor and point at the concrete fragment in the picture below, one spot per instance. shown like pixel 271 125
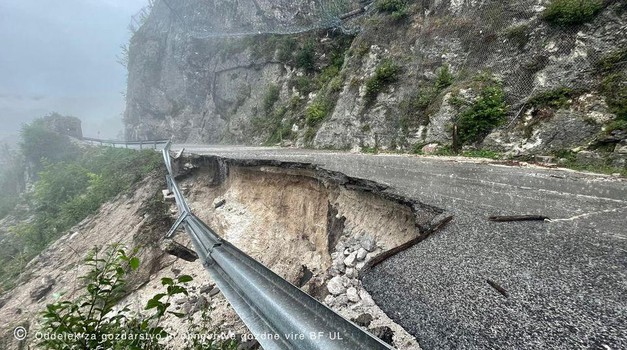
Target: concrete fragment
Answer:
pixel 213 292
pixel 351 294
pixel 363 320
pixel 368 244
pixel 350 260
pixel 341 300
pixel 339 265
pixel 206 288
pixel 167 195
pixel 336 285
pixel 361 254
pixel 366 299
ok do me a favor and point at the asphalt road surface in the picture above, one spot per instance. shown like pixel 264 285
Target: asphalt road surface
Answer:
pixel 565 279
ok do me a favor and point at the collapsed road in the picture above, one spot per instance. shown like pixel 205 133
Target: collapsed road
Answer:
pixel 479 283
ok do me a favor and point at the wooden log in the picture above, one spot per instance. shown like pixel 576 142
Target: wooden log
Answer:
pixel 412 242
pixel 498 288
pixel 518 218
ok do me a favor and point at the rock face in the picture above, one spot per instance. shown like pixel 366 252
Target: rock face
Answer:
pixel 325 89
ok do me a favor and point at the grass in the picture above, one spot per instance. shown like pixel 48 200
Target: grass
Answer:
pixel 613 86
pixel 518 35
pixel 481 153
pixel 554 99
pixel 571 12
pixel 396 8
pixel 316 112
pixel 270 98
pixel 569 160
pixel 369 150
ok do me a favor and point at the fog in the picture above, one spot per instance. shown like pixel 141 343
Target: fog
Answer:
pixel 60 56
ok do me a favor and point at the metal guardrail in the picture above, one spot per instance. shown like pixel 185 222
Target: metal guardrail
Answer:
pixel 278 314
pixel 141 144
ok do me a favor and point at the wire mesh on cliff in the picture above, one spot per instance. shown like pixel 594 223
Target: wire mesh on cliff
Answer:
pixel 205 18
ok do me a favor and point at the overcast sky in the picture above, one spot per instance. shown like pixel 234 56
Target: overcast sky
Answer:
pixel 60 56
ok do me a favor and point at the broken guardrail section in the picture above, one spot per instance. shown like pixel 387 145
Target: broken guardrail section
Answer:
pixel 278 314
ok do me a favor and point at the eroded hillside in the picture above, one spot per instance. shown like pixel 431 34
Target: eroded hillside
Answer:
pixel 318 229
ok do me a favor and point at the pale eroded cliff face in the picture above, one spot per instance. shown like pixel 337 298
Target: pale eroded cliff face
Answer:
pixel 562 86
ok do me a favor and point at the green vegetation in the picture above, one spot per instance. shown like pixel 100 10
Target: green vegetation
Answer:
pixel 40 146
pixel 369 150
pixel 94 312
pixel 572 12
pixel 306 57
pixel 321 62
pixel 554 99
pixel 481 153
pixel 444 78
pixel 11 179
pixel 68 190
pixel 396 8
pixel 270 98
pixel 614 87
pixel 519 35
pixel 476 120
pixel 414 109
pixel 568 159
pixel 386 73
pixel 317 111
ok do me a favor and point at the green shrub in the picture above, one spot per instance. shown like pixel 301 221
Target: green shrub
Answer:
pixel 556 98
pixel 397 8
pixel 39 143
pixel 310 133
pixel 270 98
pixel 614 88
pixel 487 112
pixel 286 49
pixel 413 109
pixel 306 57
pixel 67 192
pixel 572 12
pixel 444 78
pixel 612 60
pixel 95 314
pixel 519 35
pixel 386 73
pixel 11 180
pixel 305 85
pixel 316 112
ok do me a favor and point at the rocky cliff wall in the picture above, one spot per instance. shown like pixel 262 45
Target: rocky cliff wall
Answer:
pixel 505 75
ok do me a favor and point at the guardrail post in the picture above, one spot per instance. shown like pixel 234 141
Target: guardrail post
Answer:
pixel 141 144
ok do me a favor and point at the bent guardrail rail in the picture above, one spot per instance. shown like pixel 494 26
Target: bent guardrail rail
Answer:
pixel 141 144
pixel 278 314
